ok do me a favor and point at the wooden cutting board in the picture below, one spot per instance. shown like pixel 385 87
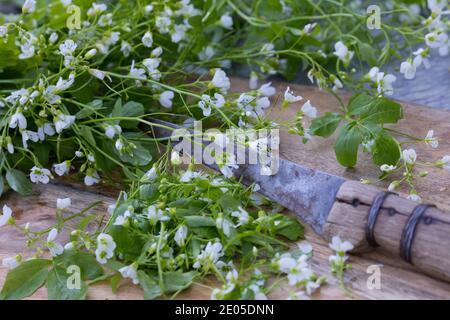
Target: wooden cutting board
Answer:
pixel 398 279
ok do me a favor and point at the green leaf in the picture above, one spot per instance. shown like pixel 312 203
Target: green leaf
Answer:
pixel 149 285
pixel 140 156
pixel 58 286
pixel 385 150
pixel 18 181
pixel 382 110
pixel 358 103
pixel 25 279
pixel 199 221
pixel 90 268
pixel 367 53
pixel 293 230
pixel 148 191
pixel 326 125
pixel 347 143
pixel 176 281
pixel 114 282
pixel 86 133
pixel 131 109
pixel 92 107
pixel 229 203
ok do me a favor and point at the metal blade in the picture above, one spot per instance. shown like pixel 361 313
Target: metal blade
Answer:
pixel 308 193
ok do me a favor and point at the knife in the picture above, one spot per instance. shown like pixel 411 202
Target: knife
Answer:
pixel 365 215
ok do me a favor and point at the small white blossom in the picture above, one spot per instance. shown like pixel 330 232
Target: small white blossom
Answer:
pixel 267 90
pixel 227 21
pixel 430 140
pixel 180 235
pixel 67 48
pixel 18 119
pixel 105 248
pixel 130 272
pixel 408 69
pixel 340 246
pixel 147 39
pixel 209 255
pixel 175 158
pixel 165 99
pixel 220 80
pixel 40 175
pixel 62 204
pixel 53 38
pixel 342 52
pixel 91 178
pixel 409 155
pixel 96 9
pixel 387 168
pixel 151 174
pixel 289 96
pixel 12 262
pixel 63 121
pixel 309 110
pixel 55 248
pixel 154 214
pixel 242 215
pixel 253 81
pixel 122 219
pixel 5 218
pixel 29 6
pixel 112 130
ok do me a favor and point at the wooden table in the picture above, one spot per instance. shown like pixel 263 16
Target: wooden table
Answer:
pixel 398 279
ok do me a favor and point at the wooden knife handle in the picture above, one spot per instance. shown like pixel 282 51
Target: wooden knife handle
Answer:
pixel 430 244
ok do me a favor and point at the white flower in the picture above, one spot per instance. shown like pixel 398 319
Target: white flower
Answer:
pixel 267 90
pixel 130 272
pixel 112 130
pixel 179 33
pixel 29 6
pixel 305 247
pixel 163 23
pixel 285 263
pixel 409 155
pixel 383 81
pixel 220 80
pixel 165 99
pixel 207 102
pixel 430 140
pixel 175 158
pixel 190 175
pixel 122 219
pixel 342 52
pixel 105 248
pixel 66 3
pixel 91 178
pixel 6 216
pixel 12 262
pixel 27 51
pixel 98 74
pixel 3 31
pixel 209 255
pixel 62 168
pixel 309 110
pixel 408 69
pixel 445 162
pixel 40 175
pixel 155 214
pixel 55 248
pixel 126 49
pixel 253 81
pixel 436 39
pixel 393 185
pixel 414 197
pixel 387 168
pixel 224 224
pixel 18 119
pixel 67 48
pixel 242 216
pixel 138 73
pixel 62 204
pixel 63 121
pixel 96 9
pixel 421 57
pixel 290 97
pixel 147 39
pixel 151 64
pixel 91 53
pixel 148 9
pixel 340 246
pixel 227 21
pixel 53 38
pixel 180 235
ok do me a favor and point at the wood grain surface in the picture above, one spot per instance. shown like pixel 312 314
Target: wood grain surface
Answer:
pixel 399 280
